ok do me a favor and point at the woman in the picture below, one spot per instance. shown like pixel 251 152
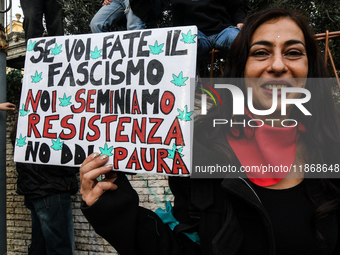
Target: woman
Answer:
pixel 271 215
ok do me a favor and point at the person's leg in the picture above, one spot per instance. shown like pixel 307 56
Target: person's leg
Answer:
pixel 55 215
pixel 204 44
pixel 54 17
pixel 37 246
pixel 224 39
pixel 33 14
pixel 106 16
pixel 133 21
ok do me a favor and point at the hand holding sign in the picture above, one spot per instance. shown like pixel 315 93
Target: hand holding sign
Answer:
pixel 91 169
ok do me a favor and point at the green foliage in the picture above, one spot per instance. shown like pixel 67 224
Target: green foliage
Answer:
pixel 156 49
pixel 37 77
pixel 179 80
pixel 13 79
pixel 106 150
pixel 78 14
pixel 96 53
pixel 21 141
pixel 56 50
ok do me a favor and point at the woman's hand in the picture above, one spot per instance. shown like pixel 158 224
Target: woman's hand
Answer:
pixel 93 167
pixel 107 2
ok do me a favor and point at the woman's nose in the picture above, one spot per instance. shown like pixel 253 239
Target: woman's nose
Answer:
pixel 278 65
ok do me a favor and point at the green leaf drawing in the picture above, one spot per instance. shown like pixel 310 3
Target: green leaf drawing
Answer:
pixel 156 49
pixel 96 53
pixel 106 150
pixel 31 45
pixel 57 145
pixel 188 38
pixel 22 111
pixel 21 141
pixel 179 80
pixel 171 153
pixel 65 101
pixel 56 50
pixel 184 115
pixel 37 77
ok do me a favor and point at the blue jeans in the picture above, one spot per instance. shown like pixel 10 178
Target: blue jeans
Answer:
pixel 33 17
pixel 52 225
pixel 112 13
pixel 220 41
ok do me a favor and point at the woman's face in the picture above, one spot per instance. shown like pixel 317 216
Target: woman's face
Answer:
pixel 277 51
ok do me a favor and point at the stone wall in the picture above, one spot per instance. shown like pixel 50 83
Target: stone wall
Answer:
pixel 153 190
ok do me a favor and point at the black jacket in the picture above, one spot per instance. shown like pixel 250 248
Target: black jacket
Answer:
pixel 227 214
pixel 210 16
pixel 36 181
pixel 142 8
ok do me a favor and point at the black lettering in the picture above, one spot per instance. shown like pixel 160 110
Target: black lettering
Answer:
pixel 135 70
pixel 52 72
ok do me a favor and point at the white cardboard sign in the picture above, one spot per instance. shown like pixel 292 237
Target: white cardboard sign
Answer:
pixel 125 94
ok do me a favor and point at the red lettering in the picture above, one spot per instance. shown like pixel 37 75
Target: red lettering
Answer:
pixel 151 138
pixel 34 102
pixel 82 128
pixel 79 100
pixel 135 104
pixel 108 120
pixel 69 126
pixel 90 100
pixel 48 126
pixel 178 164
pixel 119 154
pixel 175 132
pixel 120 128
pixel 167 102
pixel 94 128
pixel 134 160
pixel 162 153
pixel 138 131
pixel 148 166
pixel 33 119
pixel 54 99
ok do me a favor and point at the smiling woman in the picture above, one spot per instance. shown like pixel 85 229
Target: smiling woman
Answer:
pixel 263 205
pixel 278 48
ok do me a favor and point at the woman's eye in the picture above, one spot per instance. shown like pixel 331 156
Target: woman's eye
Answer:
pixel 260 53
pixel 293 54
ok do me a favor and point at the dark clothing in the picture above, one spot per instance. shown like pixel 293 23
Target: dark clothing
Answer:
pixel 37 181
pixel 33 17
pixel 210 16
pixel 47 190
pixel 52 225
pixel 231 218
pixel 141 8
pixel 287 221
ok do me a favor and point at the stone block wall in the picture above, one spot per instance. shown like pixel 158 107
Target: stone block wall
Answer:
pixel 153 193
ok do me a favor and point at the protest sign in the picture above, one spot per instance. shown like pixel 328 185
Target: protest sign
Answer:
pixel 125 94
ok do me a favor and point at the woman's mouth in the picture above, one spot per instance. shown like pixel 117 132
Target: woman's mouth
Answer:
pixel 271 86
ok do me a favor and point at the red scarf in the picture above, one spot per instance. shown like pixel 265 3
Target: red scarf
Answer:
pixel 266 147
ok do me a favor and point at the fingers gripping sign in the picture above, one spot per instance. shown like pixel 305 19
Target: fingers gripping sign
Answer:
pixel 93 167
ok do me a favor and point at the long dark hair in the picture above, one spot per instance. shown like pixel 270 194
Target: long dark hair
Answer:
pixel 322 136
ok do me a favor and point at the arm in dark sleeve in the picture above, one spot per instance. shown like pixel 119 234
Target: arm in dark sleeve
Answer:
pixel 129 228
pixel 235 9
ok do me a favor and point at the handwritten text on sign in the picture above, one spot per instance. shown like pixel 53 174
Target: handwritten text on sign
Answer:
pixel 124 94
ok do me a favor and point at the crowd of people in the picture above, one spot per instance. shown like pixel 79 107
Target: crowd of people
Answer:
pixel 289 213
